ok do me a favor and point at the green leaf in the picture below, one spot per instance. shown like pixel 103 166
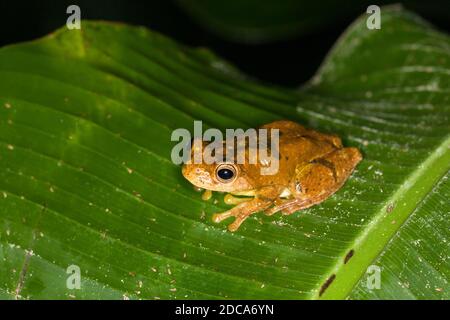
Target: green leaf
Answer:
pixel 85 124
pixel 413 266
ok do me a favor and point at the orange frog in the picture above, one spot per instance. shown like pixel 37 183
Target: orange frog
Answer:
pixel 312 166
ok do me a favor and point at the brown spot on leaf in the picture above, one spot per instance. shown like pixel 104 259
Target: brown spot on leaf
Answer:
pixel 326 284
pixel 349 255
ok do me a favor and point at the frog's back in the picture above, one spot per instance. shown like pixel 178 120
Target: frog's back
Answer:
pixel 292 131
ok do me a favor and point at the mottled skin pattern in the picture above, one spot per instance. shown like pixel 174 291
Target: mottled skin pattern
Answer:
pixel 312 166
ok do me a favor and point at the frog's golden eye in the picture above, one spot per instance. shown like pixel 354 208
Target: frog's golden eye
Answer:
pixel 226 173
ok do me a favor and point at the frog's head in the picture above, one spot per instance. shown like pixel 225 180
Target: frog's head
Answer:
pixel 215 174
pixel 226 177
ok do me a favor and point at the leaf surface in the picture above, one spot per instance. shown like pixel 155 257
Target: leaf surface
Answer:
pixel 85 124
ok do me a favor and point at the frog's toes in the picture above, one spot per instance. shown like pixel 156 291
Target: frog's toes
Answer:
pixel 207 195
pixel 218 217
pixel 235 224
pixel 239 218
pixel 241 212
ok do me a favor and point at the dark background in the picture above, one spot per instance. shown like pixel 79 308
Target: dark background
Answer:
pixel 288 63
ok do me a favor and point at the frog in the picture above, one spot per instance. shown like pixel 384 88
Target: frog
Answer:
pixel 312 167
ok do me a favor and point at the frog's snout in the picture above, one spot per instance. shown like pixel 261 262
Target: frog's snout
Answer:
pixel 184 171
pixel 189 174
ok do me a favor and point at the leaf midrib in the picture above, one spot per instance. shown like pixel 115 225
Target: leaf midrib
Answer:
pixel 372 240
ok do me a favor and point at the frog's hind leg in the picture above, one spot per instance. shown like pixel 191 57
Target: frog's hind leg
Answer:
pixel 288 207
pixel 297 206
pixel 322 177
pixel 241 212
pixel 279 205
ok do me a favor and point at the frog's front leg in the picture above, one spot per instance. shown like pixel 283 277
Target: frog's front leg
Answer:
pixel 262 200
pixel 241 212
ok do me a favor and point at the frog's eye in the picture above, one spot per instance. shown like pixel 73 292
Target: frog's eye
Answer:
pixel 226 173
